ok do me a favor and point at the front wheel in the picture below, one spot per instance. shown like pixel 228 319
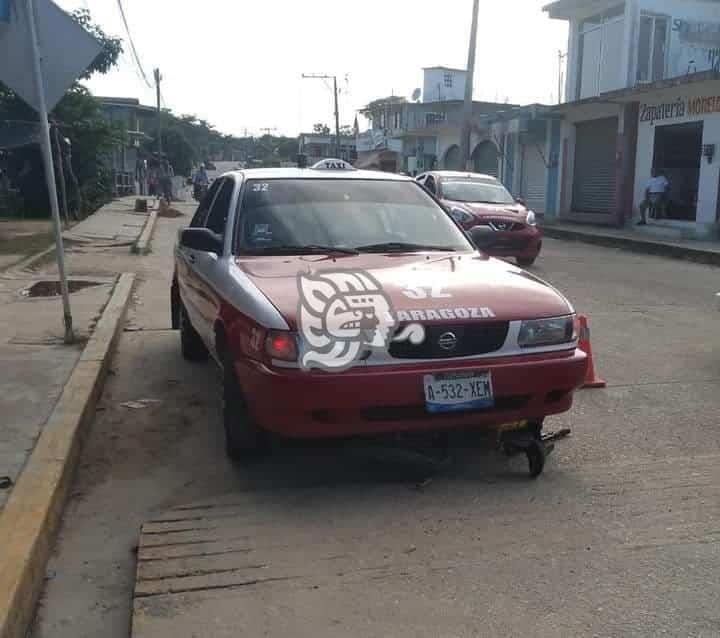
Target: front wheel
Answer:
pixel 244 440
pixel 526 262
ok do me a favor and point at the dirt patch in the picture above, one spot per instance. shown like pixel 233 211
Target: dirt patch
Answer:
pixel 52 288
pixel 170 212
pixel 25 243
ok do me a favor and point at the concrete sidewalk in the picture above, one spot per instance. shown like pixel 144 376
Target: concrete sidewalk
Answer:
pixel 37 363
pixel 707 252
pixel 116 223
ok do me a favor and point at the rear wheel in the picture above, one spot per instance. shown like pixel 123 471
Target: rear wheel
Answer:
pixel 244 440
pixel 191 345
pixel 175 306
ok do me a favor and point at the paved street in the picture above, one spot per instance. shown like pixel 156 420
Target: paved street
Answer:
pixel 618 537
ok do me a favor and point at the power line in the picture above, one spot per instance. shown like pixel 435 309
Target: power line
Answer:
pixel 132 45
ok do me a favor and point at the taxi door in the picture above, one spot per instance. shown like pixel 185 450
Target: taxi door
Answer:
pixel 209 268
pixel 186 259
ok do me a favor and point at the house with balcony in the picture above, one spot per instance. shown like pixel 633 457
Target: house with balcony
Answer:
pixel 642 93
pixel 135 121
pixel 424 133
pixel 318 146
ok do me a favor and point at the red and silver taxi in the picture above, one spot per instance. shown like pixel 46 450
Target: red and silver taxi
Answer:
pixel 499 224
pixel 420 331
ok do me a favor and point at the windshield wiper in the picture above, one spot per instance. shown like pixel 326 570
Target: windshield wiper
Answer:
pixel 287 249
pixel 402 247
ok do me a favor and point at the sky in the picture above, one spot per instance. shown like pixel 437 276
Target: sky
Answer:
pixel 238 63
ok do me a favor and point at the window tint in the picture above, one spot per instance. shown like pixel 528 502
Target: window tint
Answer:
pixel 430 184
pixel 217 220
pixel 200 216
pixel 284 213
pixel 477 191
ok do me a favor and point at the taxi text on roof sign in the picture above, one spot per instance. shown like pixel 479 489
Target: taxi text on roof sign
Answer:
pixel 333 165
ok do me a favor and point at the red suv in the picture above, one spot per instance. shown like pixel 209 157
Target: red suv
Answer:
pixel 498 224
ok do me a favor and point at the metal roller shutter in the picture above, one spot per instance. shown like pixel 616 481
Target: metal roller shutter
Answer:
pixel 534 177
pixel 594 177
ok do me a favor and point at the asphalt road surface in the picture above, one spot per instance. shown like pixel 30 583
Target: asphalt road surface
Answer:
pixel 619 537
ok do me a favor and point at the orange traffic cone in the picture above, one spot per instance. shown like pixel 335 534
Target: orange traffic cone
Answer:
pixel 591 379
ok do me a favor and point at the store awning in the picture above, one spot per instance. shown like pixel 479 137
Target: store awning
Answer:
pixel 636 93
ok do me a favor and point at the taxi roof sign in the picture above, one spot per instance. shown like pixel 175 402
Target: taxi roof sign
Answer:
pixel 333 165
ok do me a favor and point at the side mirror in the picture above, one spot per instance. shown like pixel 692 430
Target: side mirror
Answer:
pixel 201 239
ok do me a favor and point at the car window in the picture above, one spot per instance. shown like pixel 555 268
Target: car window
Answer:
pixel 284 213
pixel 217 219
pixel 200 216
pixel 430 184
pixel 481 191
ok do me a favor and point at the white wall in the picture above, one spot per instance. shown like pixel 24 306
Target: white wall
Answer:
pixel 682 52
pixel 709 173
pixel 625 58
pixel 434 89
pixel 604 74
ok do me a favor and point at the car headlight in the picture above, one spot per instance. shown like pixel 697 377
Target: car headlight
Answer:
pixel 460 216
pixel 548 332
pixel 531 220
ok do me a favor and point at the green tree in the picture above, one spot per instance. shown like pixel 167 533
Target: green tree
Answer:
pixel 321 129
pixel 175 145
pixel 80 120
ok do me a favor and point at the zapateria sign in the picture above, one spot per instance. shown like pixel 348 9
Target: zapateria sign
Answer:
pixel 679 108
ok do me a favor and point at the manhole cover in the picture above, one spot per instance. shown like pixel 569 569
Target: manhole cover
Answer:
pixel 52 288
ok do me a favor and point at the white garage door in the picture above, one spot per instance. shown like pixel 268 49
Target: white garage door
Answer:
pixel 534 177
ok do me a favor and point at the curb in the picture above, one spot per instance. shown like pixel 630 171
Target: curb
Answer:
pixel 645 246
pixel 33 512
pixel 142 245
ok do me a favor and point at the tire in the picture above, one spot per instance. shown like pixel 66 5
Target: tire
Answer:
pixel 244 440
pixel 525 262
pixel 192 347
pixel 175 306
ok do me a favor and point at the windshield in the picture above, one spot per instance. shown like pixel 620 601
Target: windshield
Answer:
pixel 283 216
pixel 476 191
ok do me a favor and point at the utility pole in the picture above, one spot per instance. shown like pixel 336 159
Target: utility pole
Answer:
pixel 158 79
pixel 468 107
pixel 561 57
pixel 319 76
pixel 46 149
pixel 61 174
pixel 337 119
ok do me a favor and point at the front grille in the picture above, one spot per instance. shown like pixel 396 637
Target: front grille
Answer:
pixel 504 225
pixel 469 340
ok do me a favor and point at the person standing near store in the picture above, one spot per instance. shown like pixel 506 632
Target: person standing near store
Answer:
pixel 655 196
